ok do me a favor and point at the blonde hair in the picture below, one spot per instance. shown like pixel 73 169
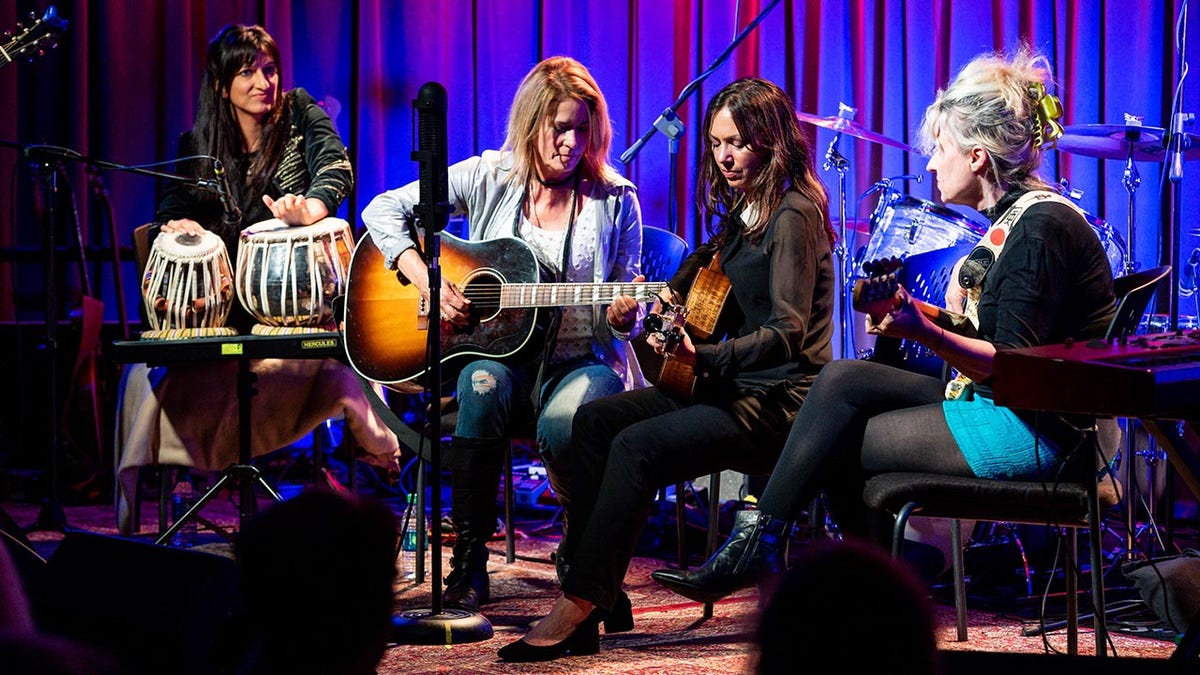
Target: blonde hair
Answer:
pixel 535 104
pixel 993 103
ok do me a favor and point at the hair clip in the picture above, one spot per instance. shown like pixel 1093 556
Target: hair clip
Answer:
pixel 1048 110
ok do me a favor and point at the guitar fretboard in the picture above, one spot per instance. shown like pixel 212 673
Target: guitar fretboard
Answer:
pixel 560 295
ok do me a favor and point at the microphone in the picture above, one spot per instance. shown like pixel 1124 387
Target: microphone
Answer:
pixel 431 156
pixel 1176 143
pixel 233 214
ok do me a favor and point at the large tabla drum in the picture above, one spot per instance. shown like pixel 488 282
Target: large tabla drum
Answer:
pixel 907 226
pixel 287 277
pixel 187 287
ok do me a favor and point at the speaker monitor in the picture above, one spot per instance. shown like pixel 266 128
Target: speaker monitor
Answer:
pixel 153 608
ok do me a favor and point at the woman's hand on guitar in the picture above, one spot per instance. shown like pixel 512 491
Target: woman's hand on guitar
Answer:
pixel 904 320
pixel 455 307
pixel 622 313
pixel 296 209
pixel 183 225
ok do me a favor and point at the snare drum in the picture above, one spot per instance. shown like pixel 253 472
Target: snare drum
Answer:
pixel 908 226
pixel 187 287
pixel 287 277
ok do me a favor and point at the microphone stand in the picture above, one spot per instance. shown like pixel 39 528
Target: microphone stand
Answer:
pixel 673 128
pixel 47 162
pixel 1175 152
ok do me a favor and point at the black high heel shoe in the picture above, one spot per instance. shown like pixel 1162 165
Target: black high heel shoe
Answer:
pixel 583 641
pixel 620 619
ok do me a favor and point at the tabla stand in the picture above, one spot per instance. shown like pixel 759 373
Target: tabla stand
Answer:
pixel 243 474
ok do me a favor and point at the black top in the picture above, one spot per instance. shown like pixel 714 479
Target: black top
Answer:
pixel 1052 281
pixel 314 164
pixel 778 321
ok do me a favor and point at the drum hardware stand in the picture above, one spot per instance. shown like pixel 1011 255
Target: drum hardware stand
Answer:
pixel 838 162
pixel 1131 179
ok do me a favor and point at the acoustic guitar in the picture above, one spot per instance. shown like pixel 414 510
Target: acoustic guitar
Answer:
pixel 28 41
pixel 385 320
pixel 698 316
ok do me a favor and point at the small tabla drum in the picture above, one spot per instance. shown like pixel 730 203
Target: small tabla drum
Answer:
pixel 187 287
pixel 907 226
pixel 287 277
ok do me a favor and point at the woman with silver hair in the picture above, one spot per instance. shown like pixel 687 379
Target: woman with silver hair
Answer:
pixel 1048 280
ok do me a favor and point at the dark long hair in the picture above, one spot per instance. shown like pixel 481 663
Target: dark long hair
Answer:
pixel 216 129
pixel 766 120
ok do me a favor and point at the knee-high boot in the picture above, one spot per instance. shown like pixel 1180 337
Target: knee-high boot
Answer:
pixel 755 551
pixel 475 475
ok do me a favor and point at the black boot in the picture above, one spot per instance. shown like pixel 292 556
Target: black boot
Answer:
pixel 753 552
pixel 473 510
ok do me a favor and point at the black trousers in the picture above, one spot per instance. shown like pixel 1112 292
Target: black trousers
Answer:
pixel 860 418
pixel 628 446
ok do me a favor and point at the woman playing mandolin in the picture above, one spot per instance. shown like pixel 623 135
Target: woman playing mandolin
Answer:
pixel 553 187
pixel 1050 281
pixel 772 243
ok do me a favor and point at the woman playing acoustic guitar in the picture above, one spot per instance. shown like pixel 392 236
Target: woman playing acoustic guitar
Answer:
pixel 551 186
pixel 772 241
pixel 985 134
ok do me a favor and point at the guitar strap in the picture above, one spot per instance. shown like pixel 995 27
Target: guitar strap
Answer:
pixel 559 276
pixel 981 259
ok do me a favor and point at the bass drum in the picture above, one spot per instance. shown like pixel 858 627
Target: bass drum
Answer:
pixel 908 226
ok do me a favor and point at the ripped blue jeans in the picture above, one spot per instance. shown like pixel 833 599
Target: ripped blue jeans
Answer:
pixel 494 401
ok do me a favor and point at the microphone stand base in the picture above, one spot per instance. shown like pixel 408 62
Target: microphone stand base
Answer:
pixel 450 627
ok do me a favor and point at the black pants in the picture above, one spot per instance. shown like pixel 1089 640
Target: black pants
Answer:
pixel 860 418
pixel 629 445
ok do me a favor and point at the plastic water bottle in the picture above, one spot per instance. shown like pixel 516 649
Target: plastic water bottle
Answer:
pixel 182 498
pixel 408 539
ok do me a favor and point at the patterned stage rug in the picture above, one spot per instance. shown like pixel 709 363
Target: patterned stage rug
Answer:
pixel 670 633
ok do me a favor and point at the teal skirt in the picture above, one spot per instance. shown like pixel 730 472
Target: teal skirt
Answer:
pixel 998 444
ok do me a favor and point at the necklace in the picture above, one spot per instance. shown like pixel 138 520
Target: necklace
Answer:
pixel 557 183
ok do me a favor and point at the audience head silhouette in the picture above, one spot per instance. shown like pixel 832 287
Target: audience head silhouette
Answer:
pixel 849 598
pixel 317 575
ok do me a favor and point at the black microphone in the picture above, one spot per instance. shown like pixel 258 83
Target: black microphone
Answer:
pixel 431 156
pixel 233 214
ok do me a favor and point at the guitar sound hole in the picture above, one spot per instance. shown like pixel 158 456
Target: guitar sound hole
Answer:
pixel 484 293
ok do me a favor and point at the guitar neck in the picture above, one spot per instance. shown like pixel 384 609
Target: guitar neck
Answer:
pixel 561 295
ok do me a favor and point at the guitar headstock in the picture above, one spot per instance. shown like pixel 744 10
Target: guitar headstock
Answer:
pixel 876 295
pixel 32 41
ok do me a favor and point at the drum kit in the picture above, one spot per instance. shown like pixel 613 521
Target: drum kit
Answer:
pixel 902 226
pixel 287 278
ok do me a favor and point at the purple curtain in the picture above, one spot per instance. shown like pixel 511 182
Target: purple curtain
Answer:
pixel 122 84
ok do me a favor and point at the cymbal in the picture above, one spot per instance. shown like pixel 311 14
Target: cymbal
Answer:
pixel 850 128
pixel 1115 141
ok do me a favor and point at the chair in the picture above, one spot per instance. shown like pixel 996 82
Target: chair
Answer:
pixel 1072 504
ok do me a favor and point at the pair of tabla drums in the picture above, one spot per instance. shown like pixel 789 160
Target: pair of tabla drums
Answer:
pixel 286 278
pixel 907 226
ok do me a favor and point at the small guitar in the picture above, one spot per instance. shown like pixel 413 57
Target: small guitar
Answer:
pixel 699 316
pixel 29 42
pixel 385 321
pixel 876 296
